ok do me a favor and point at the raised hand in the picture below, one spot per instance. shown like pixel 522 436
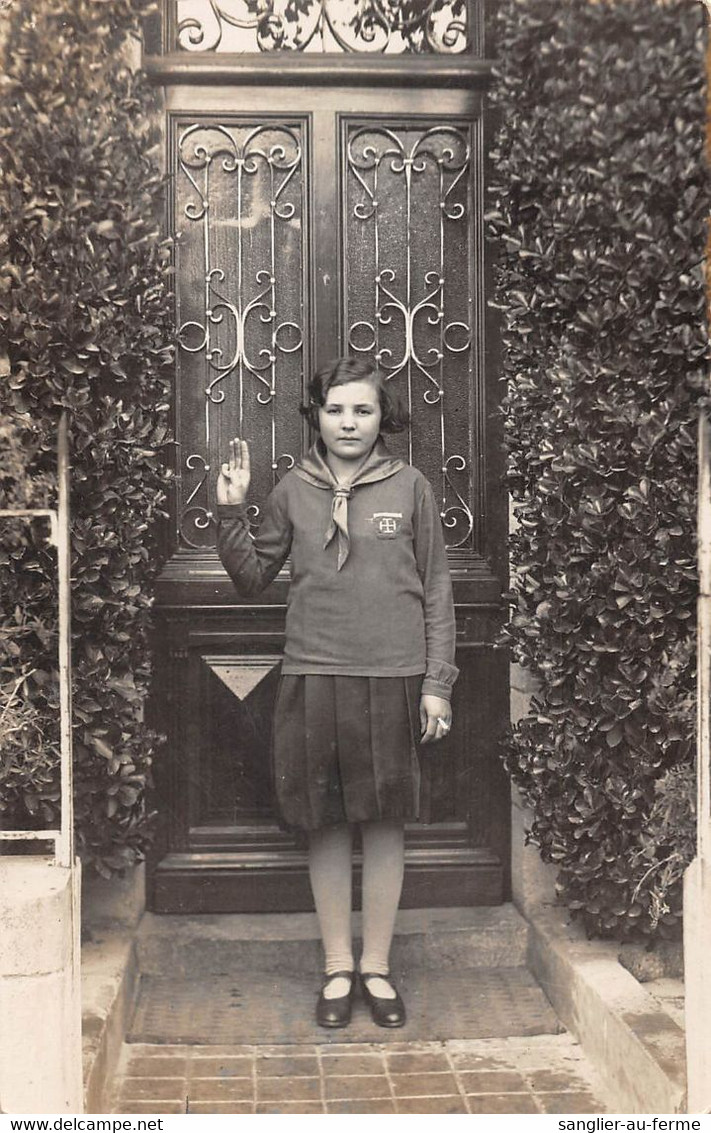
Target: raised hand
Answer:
pixel 233 480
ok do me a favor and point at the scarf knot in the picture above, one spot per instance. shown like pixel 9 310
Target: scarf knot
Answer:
pixel 339 522
pixel 314 469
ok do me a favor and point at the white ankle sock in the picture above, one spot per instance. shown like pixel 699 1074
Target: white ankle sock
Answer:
pixel 330 855
pixel 336 989
pixel 383 868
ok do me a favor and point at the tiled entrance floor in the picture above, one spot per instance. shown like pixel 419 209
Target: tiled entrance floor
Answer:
pixel 541 1074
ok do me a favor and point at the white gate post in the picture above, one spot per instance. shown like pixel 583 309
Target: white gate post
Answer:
pixel 40 989
pixel 697 879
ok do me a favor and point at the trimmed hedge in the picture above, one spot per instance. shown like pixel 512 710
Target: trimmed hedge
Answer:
pixel 600 208
pixel 86 324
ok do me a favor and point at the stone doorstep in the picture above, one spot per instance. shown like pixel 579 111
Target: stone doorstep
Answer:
pixel 272 942
pixel 636 1046
pixel 114 957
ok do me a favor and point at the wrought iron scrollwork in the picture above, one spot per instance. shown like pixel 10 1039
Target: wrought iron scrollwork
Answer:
pixel 410 332
pixel 245 330
pixel 374 26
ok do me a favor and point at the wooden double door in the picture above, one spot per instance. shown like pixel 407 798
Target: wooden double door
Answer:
pixel 311 219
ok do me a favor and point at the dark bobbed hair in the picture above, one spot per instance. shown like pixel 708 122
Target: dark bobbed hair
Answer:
pixel 340 372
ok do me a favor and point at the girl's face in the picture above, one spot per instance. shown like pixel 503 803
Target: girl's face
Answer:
pixel 349 421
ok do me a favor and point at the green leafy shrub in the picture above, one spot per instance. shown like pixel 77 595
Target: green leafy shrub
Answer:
pixel 28 741
pixel 85 324
pixel 600 207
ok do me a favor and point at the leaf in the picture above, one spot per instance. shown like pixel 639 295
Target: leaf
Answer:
pixel 108 229
pixel 101 746
pixel 602 391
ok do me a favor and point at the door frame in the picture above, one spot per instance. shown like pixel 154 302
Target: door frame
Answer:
pixel 199 873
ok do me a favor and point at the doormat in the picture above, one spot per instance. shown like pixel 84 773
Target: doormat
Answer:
pixel 255 1008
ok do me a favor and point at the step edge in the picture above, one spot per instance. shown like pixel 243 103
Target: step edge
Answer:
pixel 304 926
pixel 109 985
pixel 637 1049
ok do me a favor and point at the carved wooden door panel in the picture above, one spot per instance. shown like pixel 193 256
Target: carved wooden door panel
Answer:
pixel 312 221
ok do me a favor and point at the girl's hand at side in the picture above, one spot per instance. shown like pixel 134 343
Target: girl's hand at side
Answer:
pixel 435 718
pixel 233 480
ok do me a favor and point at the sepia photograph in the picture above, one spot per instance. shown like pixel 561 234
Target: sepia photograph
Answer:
pixel 355 562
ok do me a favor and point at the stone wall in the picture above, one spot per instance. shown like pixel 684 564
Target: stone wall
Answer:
pixel 40 997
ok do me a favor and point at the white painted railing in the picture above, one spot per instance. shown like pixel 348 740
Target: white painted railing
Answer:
pixel 63 836
pixel 40 902
pixel 703 771
pixel 697 880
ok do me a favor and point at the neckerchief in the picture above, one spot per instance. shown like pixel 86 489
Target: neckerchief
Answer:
pixel 313 468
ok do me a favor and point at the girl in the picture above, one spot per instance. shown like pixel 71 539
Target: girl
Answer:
pixel 369 638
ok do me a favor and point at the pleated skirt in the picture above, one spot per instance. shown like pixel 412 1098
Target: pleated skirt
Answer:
pixel 345 749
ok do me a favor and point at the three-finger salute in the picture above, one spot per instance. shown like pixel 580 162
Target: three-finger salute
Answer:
pixel 233 480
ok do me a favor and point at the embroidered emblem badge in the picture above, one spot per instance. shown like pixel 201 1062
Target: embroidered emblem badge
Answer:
pixel 388 524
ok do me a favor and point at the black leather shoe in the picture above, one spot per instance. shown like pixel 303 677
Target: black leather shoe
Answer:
pixel 384 1012
pixel 335 1012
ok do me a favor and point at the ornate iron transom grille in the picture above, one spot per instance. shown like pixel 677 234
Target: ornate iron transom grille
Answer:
pixel 376 26
pixel 241 306
pixel 412 264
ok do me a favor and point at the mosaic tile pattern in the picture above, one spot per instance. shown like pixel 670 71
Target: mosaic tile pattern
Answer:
pixel 543 1074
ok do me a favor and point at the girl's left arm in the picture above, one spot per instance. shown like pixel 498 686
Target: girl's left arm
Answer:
pixel 431 556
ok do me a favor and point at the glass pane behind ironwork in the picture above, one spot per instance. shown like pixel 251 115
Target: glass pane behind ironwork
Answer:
pixel 410 275
pixel 242 305
pixel 365 26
